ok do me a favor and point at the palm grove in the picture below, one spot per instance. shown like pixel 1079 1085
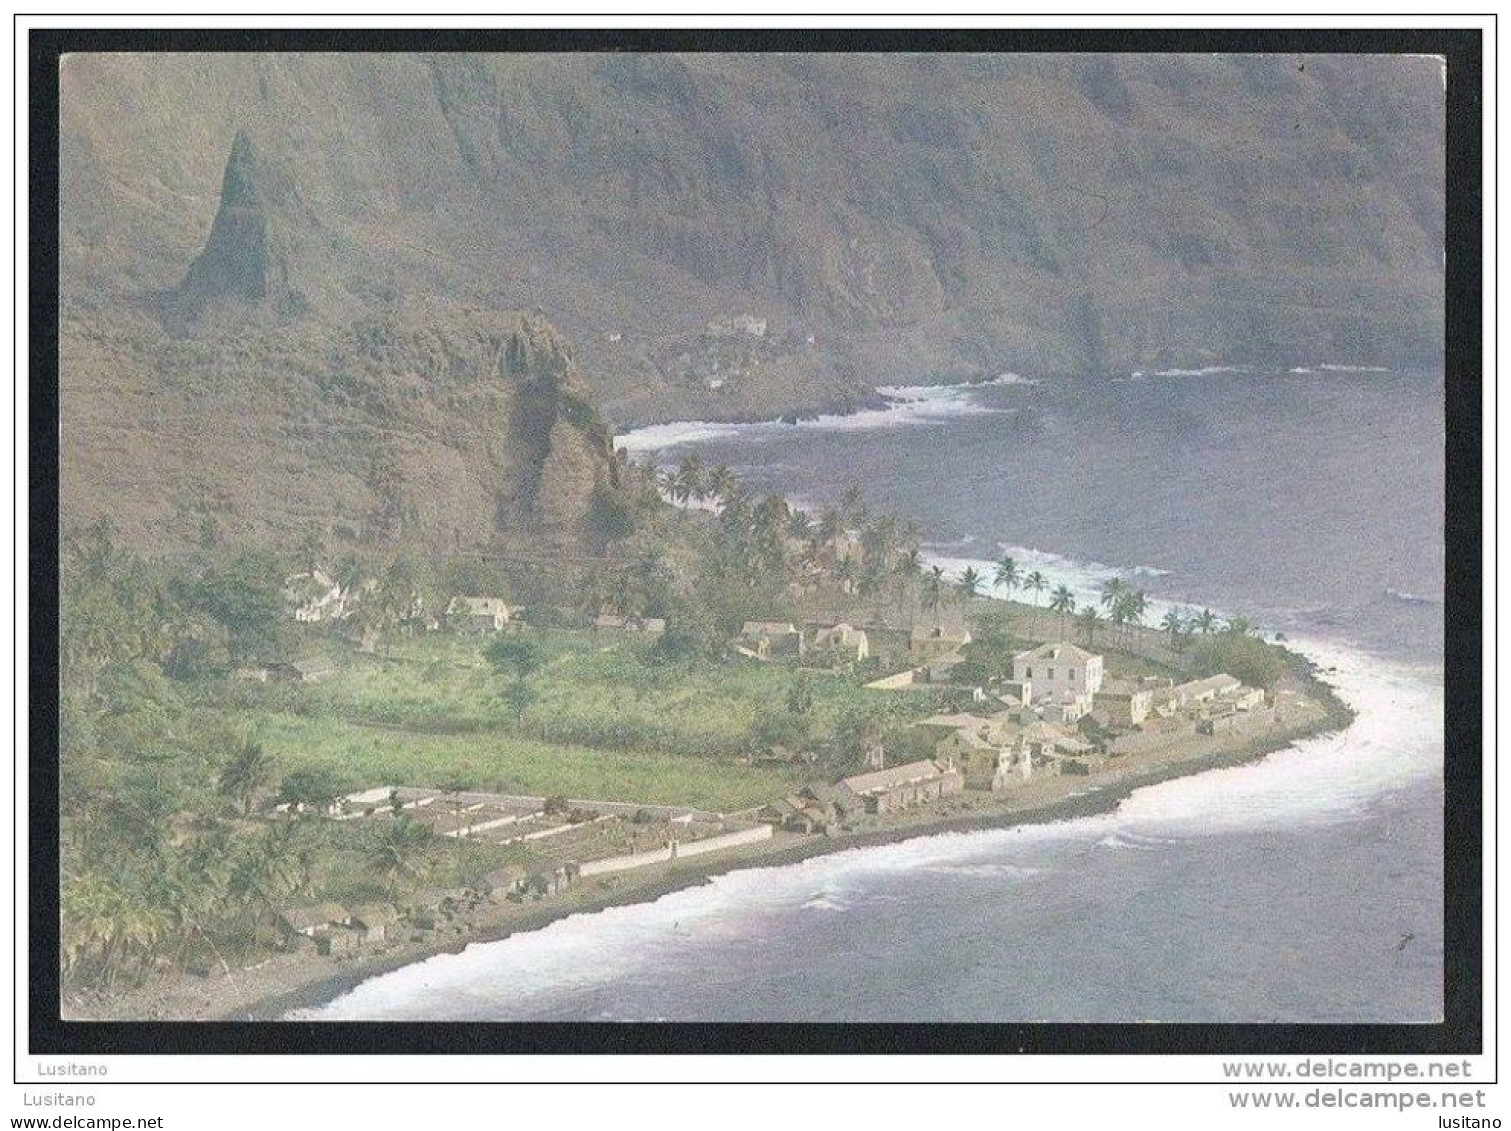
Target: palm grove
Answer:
pixel 169 858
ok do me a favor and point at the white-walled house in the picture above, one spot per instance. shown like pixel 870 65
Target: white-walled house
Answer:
pixel 1059 672
pixel 479 614
pixel 847 643
pixel 315 597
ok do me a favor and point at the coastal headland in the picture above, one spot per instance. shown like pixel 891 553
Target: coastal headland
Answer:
pixel 288 983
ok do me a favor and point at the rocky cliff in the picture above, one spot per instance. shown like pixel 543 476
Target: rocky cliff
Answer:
pixel 433 422
pixel 725 235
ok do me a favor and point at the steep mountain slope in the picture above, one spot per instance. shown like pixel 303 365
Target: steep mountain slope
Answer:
pixel 443 423
pixel 727 235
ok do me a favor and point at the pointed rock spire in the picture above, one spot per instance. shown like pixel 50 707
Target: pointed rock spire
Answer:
pixel 244 258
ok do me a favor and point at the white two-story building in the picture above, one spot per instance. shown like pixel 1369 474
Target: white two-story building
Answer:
pixel 1059 673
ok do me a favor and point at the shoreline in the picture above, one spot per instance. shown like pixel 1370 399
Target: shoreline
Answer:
pixel 322 985
pixel 1096 800
pixel 288 982
pixel 850 401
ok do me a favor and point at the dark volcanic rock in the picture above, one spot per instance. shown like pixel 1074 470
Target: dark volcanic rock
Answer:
pixel 893 218
pixel 245 259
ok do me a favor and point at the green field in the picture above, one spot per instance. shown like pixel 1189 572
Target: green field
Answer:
pixel 607 720
pixel 497 760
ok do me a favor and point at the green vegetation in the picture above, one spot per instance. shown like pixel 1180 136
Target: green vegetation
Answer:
pixel 1246 658
pixel 178 732
pixel 509 763
pixel 184 723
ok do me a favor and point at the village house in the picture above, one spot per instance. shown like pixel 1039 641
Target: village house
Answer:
pixel 1198 691
pixel 1220 720
pixel 311 669
pixel 902 787
pixel 1247 698
pixel 1059 671
pixel 646 626
pixel 1051 747
pixel 922 738
pixel 378 923
pixel 314 596
pixel 770 640
pixel 1068 708
pixel 986 758
pixel 845 643
pixel 309 921
pixel 1015 693
pixel 940 669
pixel 479 614
pixel 799 815
pixel 339 940
pixel 837 798
pixel 930 642
pixel 503 882
pixel 1122 704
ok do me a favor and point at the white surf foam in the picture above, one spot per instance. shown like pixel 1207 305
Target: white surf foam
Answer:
pixel 1395 741
pixel 1202 371
pixel 910 405
pixel 1083 579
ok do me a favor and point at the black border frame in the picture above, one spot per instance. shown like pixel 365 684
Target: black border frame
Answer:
pixel 1459 1033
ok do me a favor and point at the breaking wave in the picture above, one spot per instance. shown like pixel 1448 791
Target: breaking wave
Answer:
pixel 1412 598
pixel 908 405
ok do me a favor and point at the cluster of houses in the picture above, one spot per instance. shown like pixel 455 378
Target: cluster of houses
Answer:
pixel 1034 731
pixel 559 841
pixel 929 651
pixel 314 597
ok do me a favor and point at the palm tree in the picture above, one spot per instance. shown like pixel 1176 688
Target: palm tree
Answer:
pixel 719 483
pixel 668 483
pixel 1118 615
pixel 394 850
pixel 1204 622
pixel 799 524
pixel 1037 583
pixel 1129 609
pixel 1238 626
pixel 1174 625
pixel 933 591
pixel 1007 576
pixel 909 569
pixel 970 581
pixel 845 573
pixel 770 518
pixel 879 539
pixel 689 478
pixel 852 506
pixel 248 770
pixel 1112 590
pixel 1089 622
pixel 830 524
pixel 1062 601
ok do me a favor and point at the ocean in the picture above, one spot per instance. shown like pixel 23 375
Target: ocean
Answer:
pixel 1303 888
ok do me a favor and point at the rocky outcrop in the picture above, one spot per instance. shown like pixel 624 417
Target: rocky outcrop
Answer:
pixel 435 423
pixel 245 260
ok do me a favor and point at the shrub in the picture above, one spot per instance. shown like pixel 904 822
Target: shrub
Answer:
pixel 1245 658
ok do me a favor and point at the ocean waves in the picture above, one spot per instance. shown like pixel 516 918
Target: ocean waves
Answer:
pixel 907 406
